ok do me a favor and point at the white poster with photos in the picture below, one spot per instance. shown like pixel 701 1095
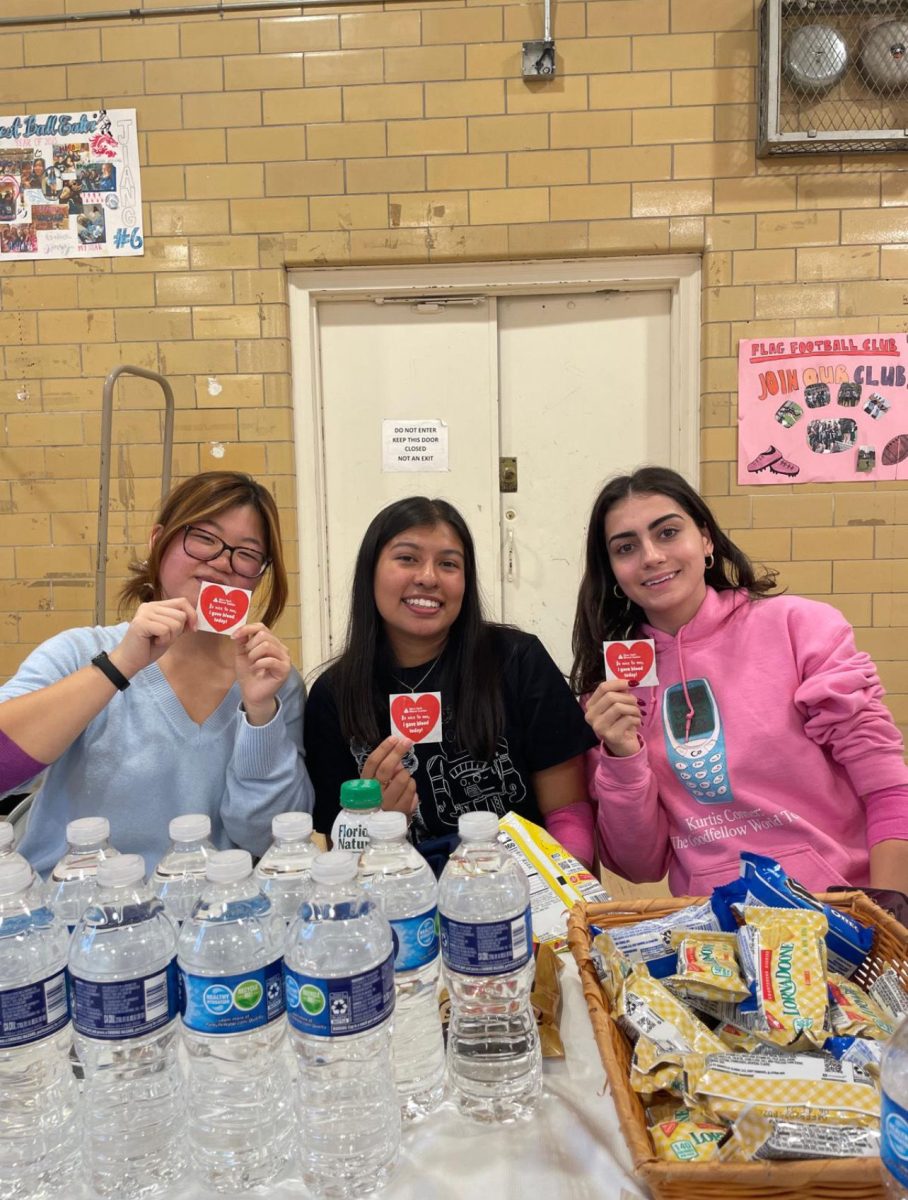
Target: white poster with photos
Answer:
pixel 69 185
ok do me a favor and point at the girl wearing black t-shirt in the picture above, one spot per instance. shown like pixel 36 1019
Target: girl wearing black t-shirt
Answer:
pixel 511 735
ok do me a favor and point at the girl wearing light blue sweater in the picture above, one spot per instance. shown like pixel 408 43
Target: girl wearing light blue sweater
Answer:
pixel 151 718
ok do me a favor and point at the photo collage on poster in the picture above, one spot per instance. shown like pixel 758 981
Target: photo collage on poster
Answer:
pixel 69 185
pixel 823 409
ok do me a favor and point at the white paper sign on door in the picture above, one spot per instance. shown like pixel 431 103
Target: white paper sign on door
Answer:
pixel 414 445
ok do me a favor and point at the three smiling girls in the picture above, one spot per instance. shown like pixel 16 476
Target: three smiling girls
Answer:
pixel 769 692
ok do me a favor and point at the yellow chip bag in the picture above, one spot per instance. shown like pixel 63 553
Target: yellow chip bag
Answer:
pixel 789 953
pixel 854 1013
pixel 707 966
pixel 789 1087
pixel 686 1139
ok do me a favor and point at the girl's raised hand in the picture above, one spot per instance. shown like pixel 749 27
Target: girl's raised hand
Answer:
pixel 151 633
pixel 614 715
pixel 262 667
pixel 398 787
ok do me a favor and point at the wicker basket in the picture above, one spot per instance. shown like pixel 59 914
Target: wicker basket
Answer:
pixel 818 1179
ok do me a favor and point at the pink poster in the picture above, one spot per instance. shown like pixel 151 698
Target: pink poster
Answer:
pixel 823 409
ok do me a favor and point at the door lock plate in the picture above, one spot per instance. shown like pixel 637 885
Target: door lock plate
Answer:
pixel 507 474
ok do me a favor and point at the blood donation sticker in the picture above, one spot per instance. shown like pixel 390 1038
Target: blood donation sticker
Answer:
pixel 222 609
pixel 417 717
pixel 633 661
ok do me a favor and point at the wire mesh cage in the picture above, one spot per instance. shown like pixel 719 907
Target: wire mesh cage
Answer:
pixel 833 76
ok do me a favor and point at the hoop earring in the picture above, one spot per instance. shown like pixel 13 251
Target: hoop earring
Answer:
pixel 709 561
pixel 617 592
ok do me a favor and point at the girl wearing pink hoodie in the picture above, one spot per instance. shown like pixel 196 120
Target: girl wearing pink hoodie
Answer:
pixel 766 730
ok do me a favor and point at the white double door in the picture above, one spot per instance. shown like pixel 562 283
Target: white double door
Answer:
pixel 572 385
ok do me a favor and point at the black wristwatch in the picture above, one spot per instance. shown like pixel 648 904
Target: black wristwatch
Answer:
pixel 106 667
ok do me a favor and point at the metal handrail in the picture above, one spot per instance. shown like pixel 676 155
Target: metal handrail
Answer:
pixel 104 469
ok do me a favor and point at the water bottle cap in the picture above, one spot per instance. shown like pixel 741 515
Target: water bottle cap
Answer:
pixel 229 866
pixel 293 825
pixel 88 830
pixel 7 834
pixel 15 876
pixel 121 870
pixel 191 827
pixel 360 794
pixel 334 866
pixel 478 827
pixel 385 826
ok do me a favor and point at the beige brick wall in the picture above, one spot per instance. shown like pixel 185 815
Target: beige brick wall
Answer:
pixel 406 135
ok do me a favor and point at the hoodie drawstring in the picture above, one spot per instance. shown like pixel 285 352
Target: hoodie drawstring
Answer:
pixel 690 707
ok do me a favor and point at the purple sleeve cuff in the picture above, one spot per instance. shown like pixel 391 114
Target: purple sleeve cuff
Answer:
pixel 15 765
pixel 887 815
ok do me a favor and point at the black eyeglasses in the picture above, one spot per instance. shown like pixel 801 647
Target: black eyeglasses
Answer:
pixel 206 547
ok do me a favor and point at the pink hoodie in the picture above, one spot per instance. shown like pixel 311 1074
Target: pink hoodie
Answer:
pixel 766 732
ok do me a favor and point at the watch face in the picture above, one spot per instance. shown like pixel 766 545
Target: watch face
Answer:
pixel 884 56
pixel 814 58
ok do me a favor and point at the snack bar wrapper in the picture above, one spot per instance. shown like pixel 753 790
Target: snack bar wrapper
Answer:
pixel 756 1136
pixel 557 880
pixel 862 1052
pixel 687 1138
pixel 650 941
pixel 764 882
pixel 789 959
pixel 890 995
pixel 854 1013
pixel 707 967
pixel 789 1087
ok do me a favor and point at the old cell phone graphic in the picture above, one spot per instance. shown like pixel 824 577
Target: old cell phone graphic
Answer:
pixel 696 751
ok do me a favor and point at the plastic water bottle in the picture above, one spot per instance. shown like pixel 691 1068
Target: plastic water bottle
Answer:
pixel 285 869
pixel 894 1115
pixel 339 975
pixel 72 882
pixel 397 875
pixel 39 1143
pixel 180 875
pixel 359 798
pixel 494 1057
pixel 37 895
pixel 123 971
pixel 230 956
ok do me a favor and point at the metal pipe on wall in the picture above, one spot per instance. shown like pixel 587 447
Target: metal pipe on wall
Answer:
pixel 186 10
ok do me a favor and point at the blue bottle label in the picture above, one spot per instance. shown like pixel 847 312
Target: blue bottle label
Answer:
pixel 338 1007
pixel 415 941
pixel 33 1012
pixel 232 1003
pixel 129 1008
pixel 486 947
pixel 894 1149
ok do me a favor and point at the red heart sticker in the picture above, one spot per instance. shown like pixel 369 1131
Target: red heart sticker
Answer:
pixel 415 716
pixel 223 608
pixel 630 662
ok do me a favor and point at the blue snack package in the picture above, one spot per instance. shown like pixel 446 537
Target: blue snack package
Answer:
pixel 848 942
pixel 649 940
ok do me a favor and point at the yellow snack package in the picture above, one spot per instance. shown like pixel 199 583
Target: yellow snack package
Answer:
pixel 736 1038
pixel 755 1136
pixel 789 953
pixel 707 966
pixel 687 1139
pixel 854 1013
pixel 612 967
pixel 789 1087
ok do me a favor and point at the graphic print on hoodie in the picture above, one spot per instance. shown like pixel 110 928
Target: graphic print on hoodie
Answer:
pixel 695 741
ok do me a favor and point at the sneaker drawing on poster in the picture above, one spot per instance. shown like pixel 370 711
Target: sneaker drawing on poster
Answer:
pixel 416 717
pixel 222 609
pixel 634 661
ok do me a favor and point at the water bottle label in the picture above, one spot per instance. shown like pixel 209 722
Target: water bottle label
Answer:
pixel 337 1007
pixel 129 1008
pixel 232 1003
pixel 894 1149
pixel 33 1012
pixel 350 832
pixel 487 947
pixel 415 941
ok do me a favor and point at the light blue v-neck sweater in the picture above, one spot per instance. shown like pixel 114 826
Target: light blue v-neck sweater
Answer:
pixel 143 760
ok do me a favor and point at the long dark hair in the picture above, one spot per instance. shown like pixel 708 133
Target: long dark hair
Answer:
pixel 200 498
pixel 601 616
pixel 469 674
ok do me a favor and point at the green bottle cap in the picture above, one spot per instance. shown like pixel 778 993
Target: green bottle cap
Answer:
pixel 360 795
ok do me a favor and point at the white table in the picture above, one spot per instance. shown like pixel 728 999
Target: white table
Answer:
pixel 571 1149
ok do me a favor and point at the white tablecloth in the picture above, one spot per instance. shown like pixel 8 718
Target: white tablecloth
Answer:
pixel 571 1149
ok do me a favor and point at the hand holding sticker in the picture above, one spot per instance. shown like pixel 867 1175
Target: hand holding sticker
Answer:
pixel 634 661
pixel 222 609
pixel 417 717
